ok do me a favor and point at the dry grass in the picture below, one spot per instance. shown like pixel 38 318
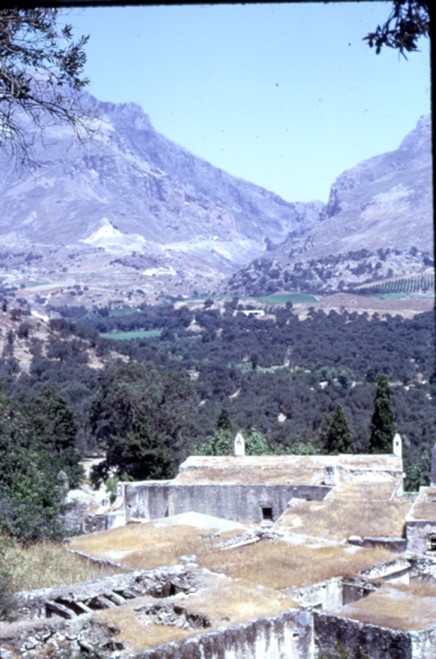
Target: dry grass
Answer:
pixel 361 491
pixel 307 470
pixel 295 469
pixel 144 546
pixel 274 563
pixel 418 588
pixel 47 564
pixel 232 601
pixel 397 607
pixel 221 601
pixel 339 517
pixel 425 505
pixel 281 565
pixel 138 636
pixel 425 510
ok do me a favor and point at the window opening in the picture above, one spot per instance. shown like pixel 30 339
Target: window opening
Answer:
pixel 431 542
pixel 267 514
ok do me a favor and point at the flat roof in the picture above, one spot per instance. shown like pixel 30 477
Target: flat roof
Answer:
pixel 424 507
pixel 337 517
pixel 279 469
pixel 402 607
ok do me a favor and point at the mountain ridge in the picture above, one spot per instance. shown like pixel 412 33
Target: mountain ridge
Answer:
pixel 132 206
pixel 376 225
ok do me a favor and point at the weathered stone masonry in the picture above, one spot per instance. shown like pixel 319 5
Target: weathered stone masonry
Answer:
pixel 237 502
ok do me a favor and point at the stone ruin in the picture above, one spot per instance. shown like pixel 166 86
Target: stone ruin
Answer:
pixel 54 622
pixel 67 621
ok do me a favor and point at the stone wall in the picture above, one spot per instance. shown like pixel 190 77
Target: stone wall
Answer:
pixel 355 589
pixel 146 500
pixel 424 567
pixel 393 544
pixel 397 570
pixel 417 532
pixel 423 644
pixel 337 637
pixel 59 622
pixel 287 635
pixel 322 595
pixel 237 502
pixel 76 599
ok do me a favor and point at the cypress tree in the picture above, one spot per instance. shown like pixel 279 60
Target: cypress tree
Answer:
pixel 339 438
pixel 382 428
pixel 224 422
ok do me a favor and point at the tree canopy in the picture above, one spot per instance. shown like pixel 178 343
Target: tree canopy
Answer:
pixel 407 22
pixel 41 69
pixel 142 419
pixel 31 496
pixel 382 426
pixel 222 443
pixel 339 436
pixel 54 424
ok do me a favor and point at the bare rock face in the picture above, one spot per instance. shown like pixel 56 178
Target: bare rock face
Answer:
pixel 128 205
pixel 377 225
pixel 385 201
pixel 138 199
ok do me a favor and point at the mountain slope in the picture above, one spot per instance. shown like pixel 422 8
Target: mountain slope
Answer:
pixel 131 193
pixel 130 213
pixel 376 225
pixel 384 201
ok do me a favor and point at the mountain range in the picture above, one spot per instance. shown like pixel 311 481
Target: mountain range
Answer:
pixel 127 212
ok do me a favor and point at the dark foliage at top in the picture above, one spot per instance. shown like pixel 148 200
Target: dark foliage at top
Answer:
pixel 408 21
pixel 41 68
pixel 382 426
pixel 141 417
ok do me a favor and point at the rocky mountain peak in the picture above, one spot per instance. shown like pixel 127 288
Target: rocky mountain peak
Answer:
pixel 131 205
pixel 377 225
pixel 419 140
pixel 413 153
pixel 129 190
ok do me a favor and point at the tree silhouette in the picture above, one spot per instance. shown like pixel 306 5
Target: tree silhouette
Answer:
pixel 142 418
pixel 30 497
pixel 339 438
pixel 382 426
pixel 408 21
pixel 40 72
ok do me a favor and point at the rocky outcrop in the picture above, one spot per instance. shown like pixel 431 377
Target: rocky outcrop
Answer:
pixel 377 225
pixel 142 200
pixel 385 201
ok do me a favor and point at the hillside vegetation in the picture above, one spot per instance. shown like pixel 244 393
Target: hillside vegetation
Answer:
pixel 157 390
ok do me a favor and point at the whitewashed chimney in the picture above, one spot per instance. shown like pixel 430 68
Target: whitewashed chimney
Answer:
pixel 397 446
pixel 239 446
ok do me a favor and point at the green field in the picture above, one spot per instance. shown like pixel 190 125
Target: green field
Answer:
pixel 417 285
pixel 120 312
pixel 282 298
pixel 36 284
pixel 399 296
pixel 131 335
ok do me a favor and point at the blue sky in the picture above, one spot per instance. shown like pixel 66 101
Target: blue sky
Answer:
pixel 286 96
